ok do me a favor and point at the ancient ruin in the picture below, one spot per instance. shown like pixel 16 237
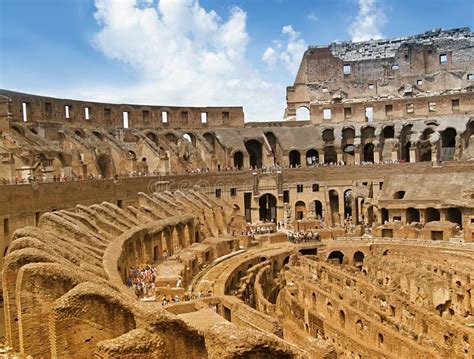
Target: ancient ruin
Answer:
pixel 344 231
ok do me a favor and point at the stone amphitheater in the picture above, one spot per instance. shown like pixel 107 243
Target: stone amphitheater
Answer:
pixel 345 230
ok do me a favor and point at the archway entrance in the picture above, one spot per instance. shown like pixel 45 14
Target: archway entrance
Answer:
pixel 300 210
pixel 267 207
pixel 318 209
pixel 432 215
pixel 312 157
pixel 295 158
pixel 239 160
pixel 454 215
pixel 103 163
pixel 348 203
pixel 254 148
pixel 369 152
pixel 413 215
pixel 448 144
pixel 334 206
pixel 336 256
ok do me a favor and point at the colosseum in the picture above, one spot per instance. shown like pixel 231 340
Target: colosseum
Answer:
pixel 345 230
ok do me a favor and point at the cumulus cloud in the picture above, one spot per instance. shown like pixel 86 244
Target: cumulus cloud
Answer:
pixel 289 53
pixel 367 25
pixel 184 55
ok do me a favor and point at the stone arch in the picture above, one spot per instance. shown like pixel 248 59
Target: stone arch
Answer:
pixel 267 207
pixel 272 141
pixel 312 157
pixel 448 144
pixel 153 138
pixel 171 138
pixel 300 210
pixel 330 154
pixel 348 198
pixel 303 113
pixel 238 160
pixel 334 206
pixel 388 132
pixel 104 164
pixel 384 213
pixel 369 152
pixel 328 135
pixel 211 140
pixel 342 318
pixel 88 316
pixel 189 137
pixel 358 258
pixel 318 209
pixel 336 256
pixel 294 158
pixel 254 149
pixel 432 215
pixel 413 215
pixel 454 215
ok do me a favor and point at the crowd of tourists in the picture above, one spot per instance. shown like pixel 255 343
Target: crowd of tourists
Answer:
pixel 173 299
pixel 303 236
pixel 142 281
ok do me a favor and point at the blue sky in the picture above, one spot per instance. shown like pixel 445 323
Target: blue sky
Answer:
pixel 175 52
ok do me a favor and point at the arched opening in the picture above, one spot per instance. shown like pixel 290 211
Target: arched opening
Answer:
pixel 238 160
pixel 171 138
pixel 312 157
pixel 384 213
pixel 328 135
pixel 342 318
pixel 405 143
pixel 336 256
pixel 432 215
pixel 300 210
pixel 349 150
pixel 318 209
pixel 399 195
pixel 348 203
pixel 295 158
pixel 254 149
pixel 153 138
pixel 454 215
pixel 369 152
pixel 448 144
pixel 132 156
pixel 302 114
pixel 103 162
pixel 211 140
pixel 267 207
pixel 358 258
pixel 380 339
pixel 388 132
pixel 189 137
pixel 413 215
pixel 330 154
pixel 348 134
pixel 334 206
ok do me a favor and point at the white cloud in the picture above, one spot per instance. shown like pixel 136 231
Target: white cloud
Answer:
pixel 291 54
pixel 312 16
pixel 368 22
pixel 270 57
pixel 184 55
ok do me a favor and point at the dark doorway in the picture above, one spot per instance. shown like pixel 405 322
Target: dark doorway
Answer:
pixel 238 160
pixel 254 149
pixel 369 152
pixel 318 209
pixel 267 207
pixel 295 158
pixel 312 157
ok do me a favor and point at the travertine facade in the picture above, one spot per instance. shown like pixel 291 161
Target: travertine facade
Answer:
pixel 381 171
